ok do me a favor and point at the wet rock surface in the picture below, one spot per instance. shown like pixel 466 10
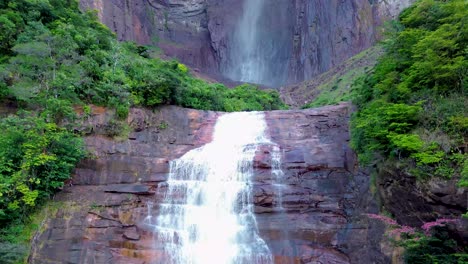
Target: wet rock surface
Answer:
pixel 314 213
pixel 101 212
pixel 311 214
pixel 317 36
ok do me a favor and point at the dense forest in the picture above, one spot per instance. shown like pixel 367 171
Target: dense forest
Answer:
pixel 53 59
pixel 412 108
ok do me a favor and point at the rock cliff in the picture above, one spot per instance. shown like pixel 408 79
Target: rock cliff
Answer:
pixel 414 202
pixel 101 216
pixel 325 196
pixel 313 37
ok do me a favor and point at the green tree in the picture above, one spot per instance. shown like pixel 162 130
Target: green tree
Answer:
pixel 36 158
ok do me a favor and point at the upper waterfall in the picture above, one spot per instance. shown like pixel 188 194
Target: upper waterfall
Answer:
pixel 260 45
pixel 207 213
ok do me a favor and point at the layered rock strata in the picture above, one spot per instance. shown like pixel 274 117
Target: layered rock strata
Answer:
pixel 312 213
pixel 101 211
pixel 312 36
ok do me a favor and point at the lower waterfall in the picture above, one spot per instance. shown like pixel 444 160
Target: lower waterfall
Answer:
pixel 207 212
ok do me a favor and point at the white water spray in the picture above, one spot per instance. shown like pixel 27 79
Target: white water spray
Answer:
pixel 249 65
pixel 207 215
pixel 260 45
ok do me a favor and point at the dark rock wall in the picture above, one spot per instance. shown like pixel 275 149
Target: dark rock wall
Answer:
pixel 179 27
pixel 414 202
pixel 316 216
pixel 327 32
pixel 319 34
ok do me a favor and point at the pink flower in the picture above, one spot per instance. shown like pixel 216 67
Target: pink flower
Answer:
pixel 386 220
pixel 402 230
pixel 439 222
pixel 397 229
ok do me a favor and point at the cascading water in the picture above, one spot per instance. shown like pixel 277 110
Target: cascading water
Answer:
pixel 207 214
pixel 278 177
pixel 260 45
pixel 250 66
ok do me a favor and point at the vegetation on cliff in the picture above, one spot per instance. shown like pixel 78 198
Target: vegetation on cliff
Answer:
pixel 412 108
pixel 336 85
pixel 411 112
pixel 412 104
pixel 50 51
pixel 53 57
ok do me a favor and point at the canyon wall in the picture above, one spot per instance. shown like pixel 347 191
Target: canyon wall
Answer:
pixel 100 218
pixel 317 216
pixel 309 37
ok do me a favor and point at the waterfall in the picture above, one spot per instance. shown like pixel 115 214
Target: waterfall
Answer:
pixel 260 45
pixel 248 64
pixel 207 213
pixel 280 188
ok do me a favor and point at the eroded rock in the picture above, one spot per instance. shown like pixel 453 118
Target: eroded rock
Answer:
pixel 129 188
pixel 311 213
pixel 131 233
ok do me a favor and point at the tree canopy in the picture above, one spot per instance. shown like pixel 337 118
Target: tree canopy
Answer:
pixel 413 107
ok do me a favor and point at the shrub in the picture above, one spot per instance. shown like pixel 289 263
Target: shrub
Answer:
pixel 114 128
pixel 416 94
pixel 122 111
pixel 36 158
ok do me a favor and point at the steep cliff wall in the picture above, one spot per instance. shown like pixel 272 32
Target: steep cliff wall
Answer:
pixel 101 219
pixel 179 27
pixel 312 38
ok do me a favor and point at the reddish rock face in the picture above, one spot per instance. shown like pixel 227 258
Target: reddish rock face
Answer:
pixel 323 193
pixel 318 35
pixel 315 217
pixel 100 219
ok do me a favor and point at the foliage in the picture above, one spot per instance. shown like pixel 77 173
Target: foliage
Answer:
pixel 439 247
pixel 464 175
pixel 439 222
pixel 16 237
pixel 12 253
pixel 413 105
pixel 436 245
pixel 412 110
pixel 122 111
pixel 116 129
pixel 52 50
pixel 163 125
pixel 335 86
pixel 396 229
pixel 36 158
pixel 249 98
pixel 384 127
